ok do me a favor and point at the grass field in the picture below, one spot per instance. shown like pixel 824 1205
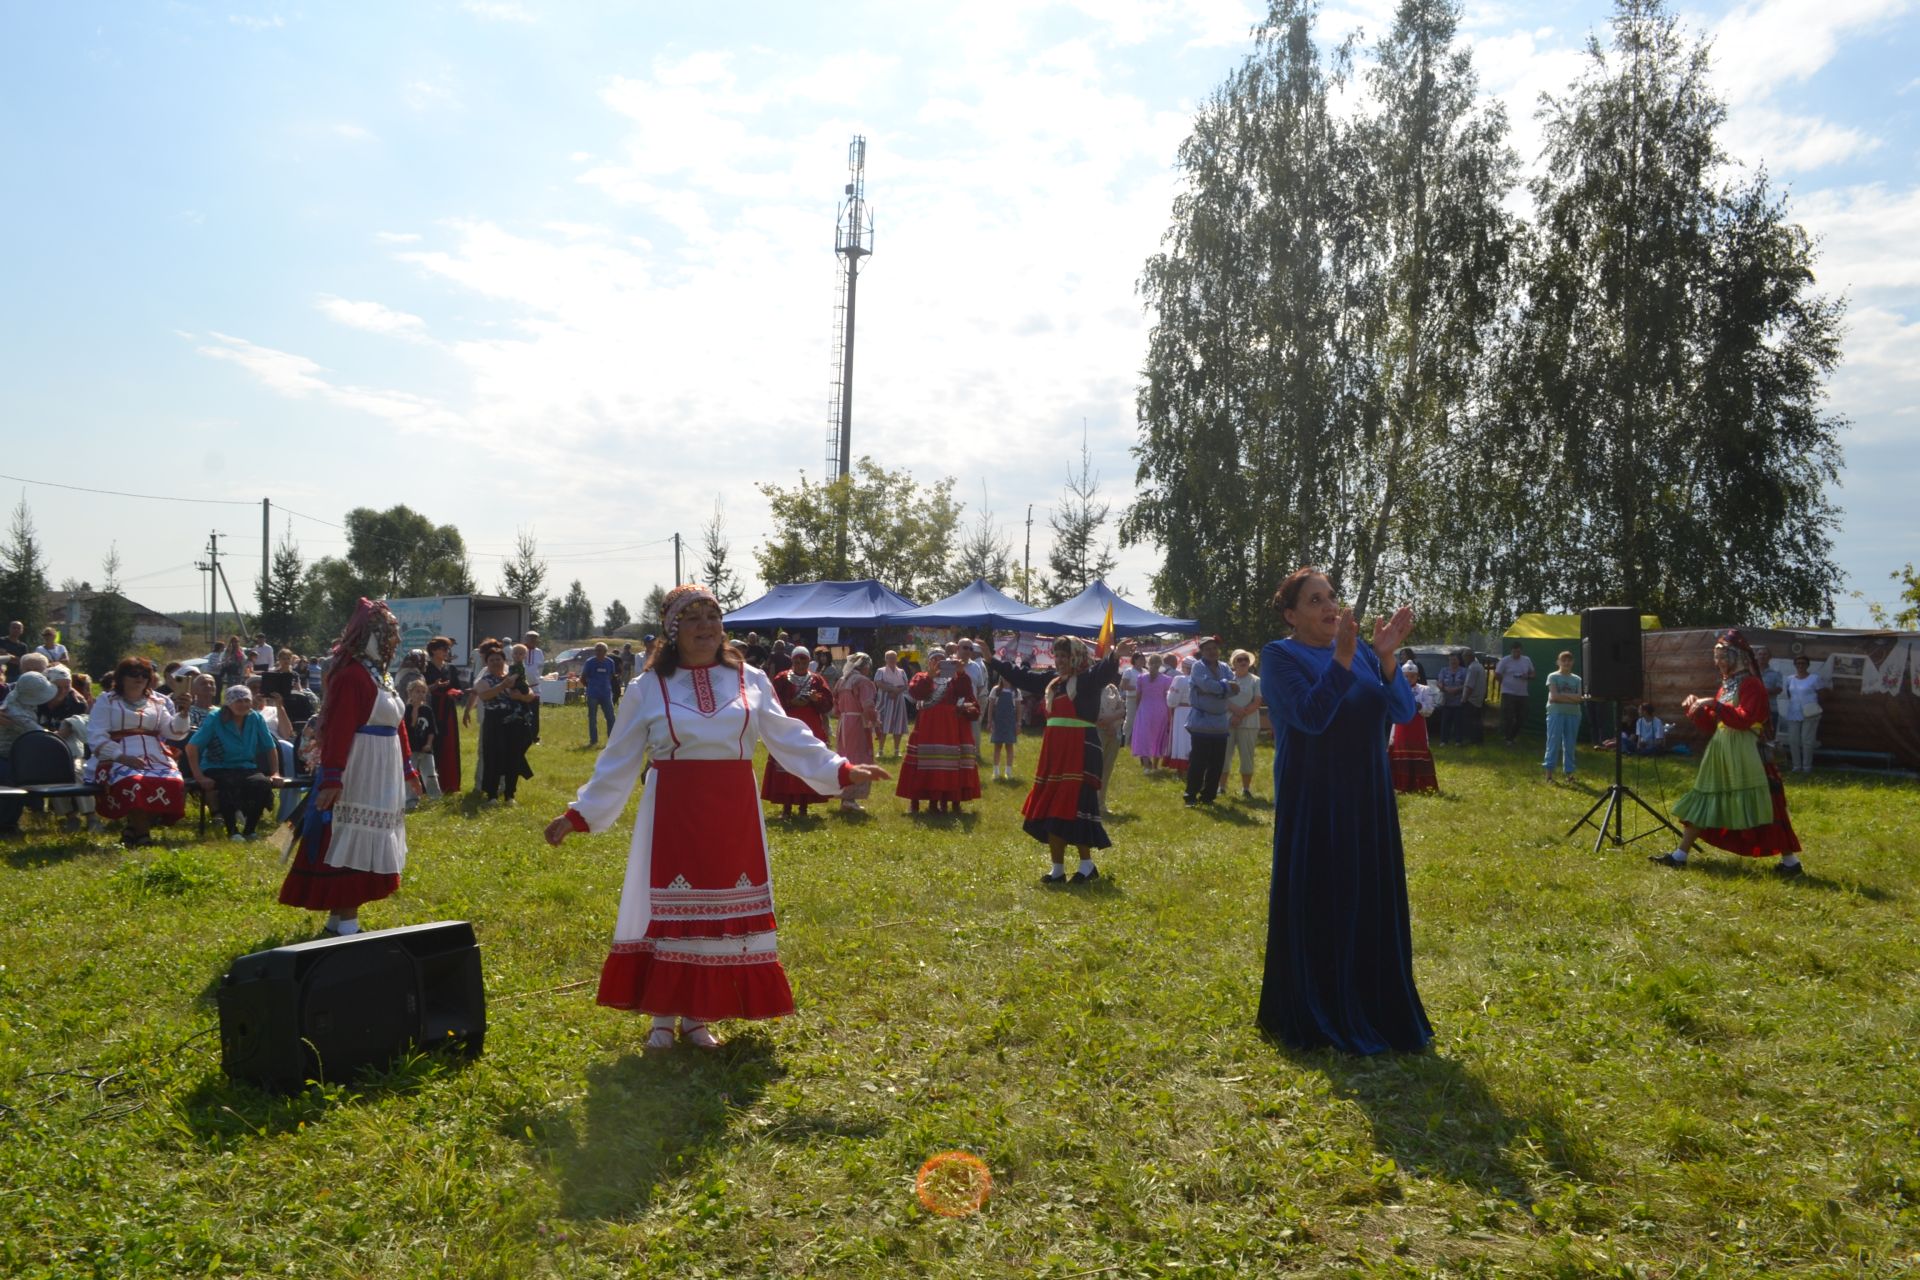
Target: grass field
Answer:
pixel 1637 1073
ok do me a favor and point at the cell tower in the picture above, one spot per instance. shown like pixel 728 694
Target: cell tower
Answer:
pixel 852 242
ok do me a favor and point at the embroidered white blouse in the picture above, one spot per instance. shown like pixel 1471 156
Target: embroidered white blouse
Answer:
pixel 700 713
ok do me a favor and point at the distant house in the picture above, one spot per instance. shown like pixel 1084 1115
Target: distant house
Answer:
pixel 67 611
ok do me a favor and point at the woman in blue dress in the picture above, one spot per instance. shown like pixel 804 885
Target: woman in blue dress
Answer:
pixel 1339 967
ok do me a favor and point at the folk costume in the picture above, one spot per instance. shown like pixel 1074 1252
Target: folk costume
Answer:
pixel 941 766
pixel 353 853
pixel 1738 799
pixel 131 763
pixel 1409 755
pixel 1064 802
pixel 1179 707
pixel 1151 718
pixel 853 707
pixel 695 936
pixel 1339 966
pixel 890 687
pixel 805 698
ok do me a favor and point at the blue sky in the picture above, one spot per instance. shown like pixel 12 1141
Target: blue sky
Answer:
pixel 567 268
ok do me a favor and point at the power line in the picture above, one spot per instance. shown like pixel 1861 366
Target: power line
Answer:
pixel 151 497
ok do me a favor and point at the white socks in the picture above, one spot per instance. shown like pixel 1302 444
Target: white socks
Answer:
pixel 1678 855
pixel 1790 860
pixel 1086 866
pixel 343 926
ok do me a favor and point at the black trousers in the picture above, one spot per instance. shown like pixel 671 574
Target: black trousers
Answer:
pixel 1513 714
pixel 241 796
pixel 1205 761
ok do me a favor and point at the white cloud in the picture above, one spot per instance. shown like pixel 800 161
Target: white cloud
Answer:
pixel 351 132
pixel 497 11
pixel 371 316
pixel 431 93
pixel 252 23
pixel 298 377
pixel 1867 235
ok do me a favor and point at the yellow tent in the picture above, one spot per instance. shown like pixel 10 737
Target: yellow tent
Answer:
pixel 1542 636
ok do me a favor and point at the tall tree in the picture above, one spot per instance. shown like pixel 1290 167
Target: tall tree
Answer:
pixel 1079 556
pixel 716 570
pixel 23 572
pixel 1669 396
pixel 524 578
pixel 1436 168
pixel 279 594
pixel 396 552
pixel 1248 425
pixel 572 618
pixel 652 608
pixel 897 531
pixel 617 617
pixel 109 635
pixel 982 552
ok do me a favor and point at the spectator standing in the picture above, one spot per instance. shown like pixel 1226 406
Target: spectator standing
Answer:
pixel 1111 722
pixel 807 698
pixel 444 695
pixel 1130 691
pixel 1179 707
pixel 1473 703
pixel 1148 741
pixel 262 654
pixel 1800 713
pixel 1452 684
pixel 423 727
pixel 1515 673
pixel 626 675
pixel 235 762
pixel 234 665
pixel 536 669
pixel 1243 718
pixel 853 706
pixel 1005 719
pixel 1408 756
pixel 598 675
pixel 890 688
pixel 50 645
pixel 1209 683
pixel 506 728
pixel 1565 709
pixel 14 646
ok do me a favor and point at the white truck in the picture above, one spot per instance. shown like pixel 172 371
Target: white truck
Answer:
pixel 466 620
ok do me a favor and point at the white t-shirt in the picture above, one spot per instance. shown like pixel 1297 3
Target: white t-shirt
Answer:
pixel 536 660
pixel 263 657
pixel 1514 674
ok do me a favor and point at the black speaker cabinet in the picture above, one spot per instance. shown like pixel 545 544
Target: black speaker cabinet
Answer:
pixel 323 1010
pixel 1610 653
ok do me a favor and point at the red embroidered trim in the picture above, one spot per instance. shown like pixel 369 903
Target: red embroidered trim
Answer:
pixel 703 691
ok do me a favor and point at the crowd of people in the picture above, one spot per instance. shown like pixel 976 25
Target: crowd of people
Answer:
pixel 368 733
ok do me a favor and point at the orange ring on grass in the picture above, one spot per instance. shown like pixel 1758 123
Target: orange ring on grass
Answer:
pixel 953 1184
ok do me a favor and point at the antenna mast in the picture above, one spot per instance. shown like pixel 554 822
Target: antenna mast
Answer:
pixel 852 241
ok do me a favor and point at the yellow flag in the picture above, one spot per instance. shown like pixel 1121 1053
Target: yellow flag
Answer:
pixel 1106 633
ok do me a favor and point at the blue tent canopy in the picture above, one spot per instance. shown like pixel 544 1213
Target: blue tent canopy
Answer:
pixel 864 603
pixel 974 605
pixel 1082 616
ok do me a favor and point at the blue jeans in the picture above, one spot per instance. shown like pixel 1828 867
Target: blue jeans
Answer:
pixel 598 703
pixel 1563 731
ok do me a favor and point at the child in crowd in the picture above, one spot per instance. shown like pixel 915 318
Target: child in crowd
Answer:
pixel 422 736
pixel 1006 724
pixel 1565 699
pixel 1649 734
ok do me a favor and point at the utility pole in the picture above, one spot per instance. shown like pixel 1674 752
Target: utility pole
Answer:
pixel 677 579
pixel 211 567
pixel 852 242
pixel 1026 572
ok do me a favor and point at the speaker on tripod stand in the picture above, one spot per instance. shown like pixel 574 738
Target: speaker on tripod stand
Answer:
pixel 1610 657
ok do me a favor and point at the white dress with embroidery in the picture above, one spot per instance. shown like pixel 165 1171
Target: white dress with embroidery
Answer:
pixel 701 942
pixel 369 818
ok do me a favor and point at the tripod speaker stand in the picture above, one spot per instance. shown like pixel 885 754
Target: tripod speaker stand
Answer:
pixel 1610 655
pixel 1614 802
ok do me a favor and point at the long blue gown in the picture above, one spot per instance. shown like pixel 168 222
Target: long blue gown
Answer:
pixel 1339 947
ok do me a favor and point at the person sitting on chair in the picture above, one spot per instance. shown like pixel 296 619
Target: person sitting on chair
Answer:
pixel 235 762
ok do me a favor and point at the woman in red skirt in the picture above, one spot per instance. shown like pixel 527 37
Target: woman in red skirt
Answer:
pixel 806 697
pixel 139 781
pixel 1408 755
pixel 941 767
pixel 1063 808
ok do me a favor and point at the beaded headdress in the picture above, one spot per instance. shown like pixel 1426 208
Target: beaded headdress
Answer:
pixel 676 603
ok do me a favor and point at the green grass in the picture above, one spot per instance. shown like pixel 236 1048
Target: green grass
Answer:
pixel 1638 1072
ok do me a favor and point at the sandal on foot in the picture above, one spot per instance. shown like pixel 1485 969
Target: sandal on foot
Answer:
pixel 1667 860
pixel 659 1040
pixel 701 1036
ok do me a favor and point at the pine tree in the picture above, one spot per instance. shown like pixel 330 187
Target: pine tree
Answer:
pixel 651 610
pixel 716 573
pixel 280 595
pixel 109 635
pixel 572 618
pixel 23 572
pixel 524 578
pixel 617 617
pixel 983 552
pixel 1079 557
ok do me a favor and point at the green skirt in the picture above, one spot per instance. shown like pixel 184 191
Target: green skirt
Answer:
pixel 1730 790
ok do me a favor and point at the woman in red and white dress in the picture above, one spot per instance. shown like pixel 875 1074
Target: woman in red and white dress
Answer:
pixel 695 938
pixel 853 706
pixel 941 767
pixel 352 835
pixel 807 698
pixel 139 779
